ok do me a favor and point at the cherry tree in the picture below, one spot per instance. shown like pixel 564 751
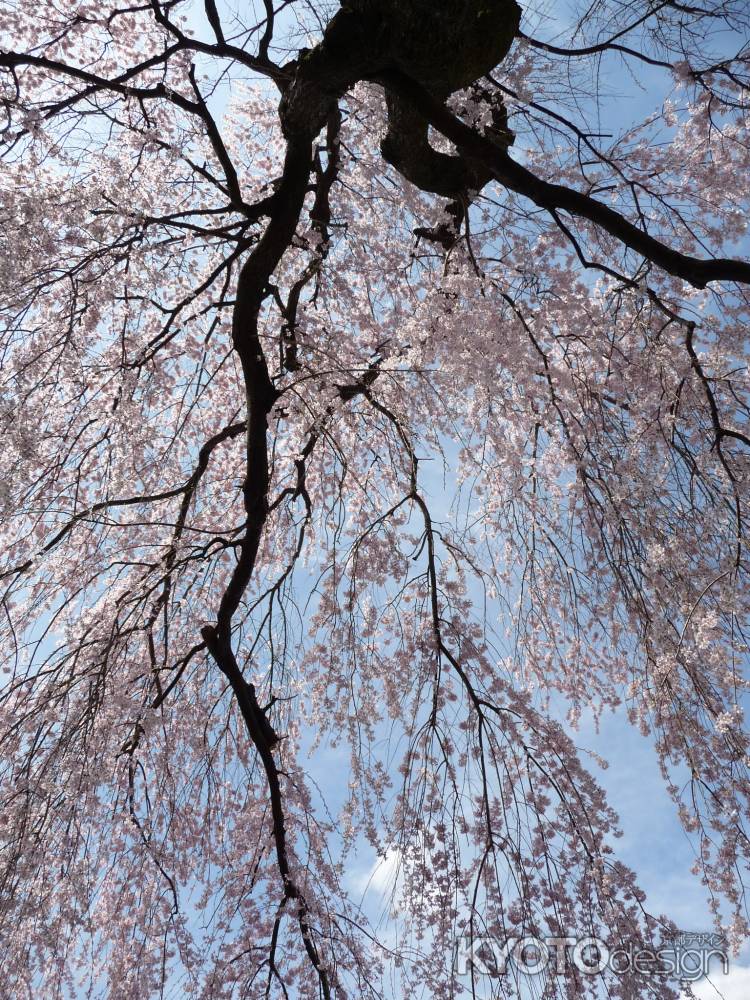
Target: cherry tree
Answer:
pixel 375 402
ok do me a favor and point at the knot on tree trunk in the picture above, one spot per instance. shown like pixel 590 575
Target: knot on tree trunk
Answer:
pixel 445 46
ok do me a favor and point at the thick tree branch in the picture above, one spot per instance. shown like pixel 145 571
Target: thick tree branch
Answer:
pixel 518 178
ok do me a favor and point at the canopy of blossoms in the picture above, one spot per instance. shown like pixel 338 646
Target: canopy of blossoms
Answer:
pixel 370 383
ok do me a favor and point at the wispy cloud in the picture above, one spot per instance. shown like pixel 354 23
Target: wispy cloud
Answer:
pixel 734 986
